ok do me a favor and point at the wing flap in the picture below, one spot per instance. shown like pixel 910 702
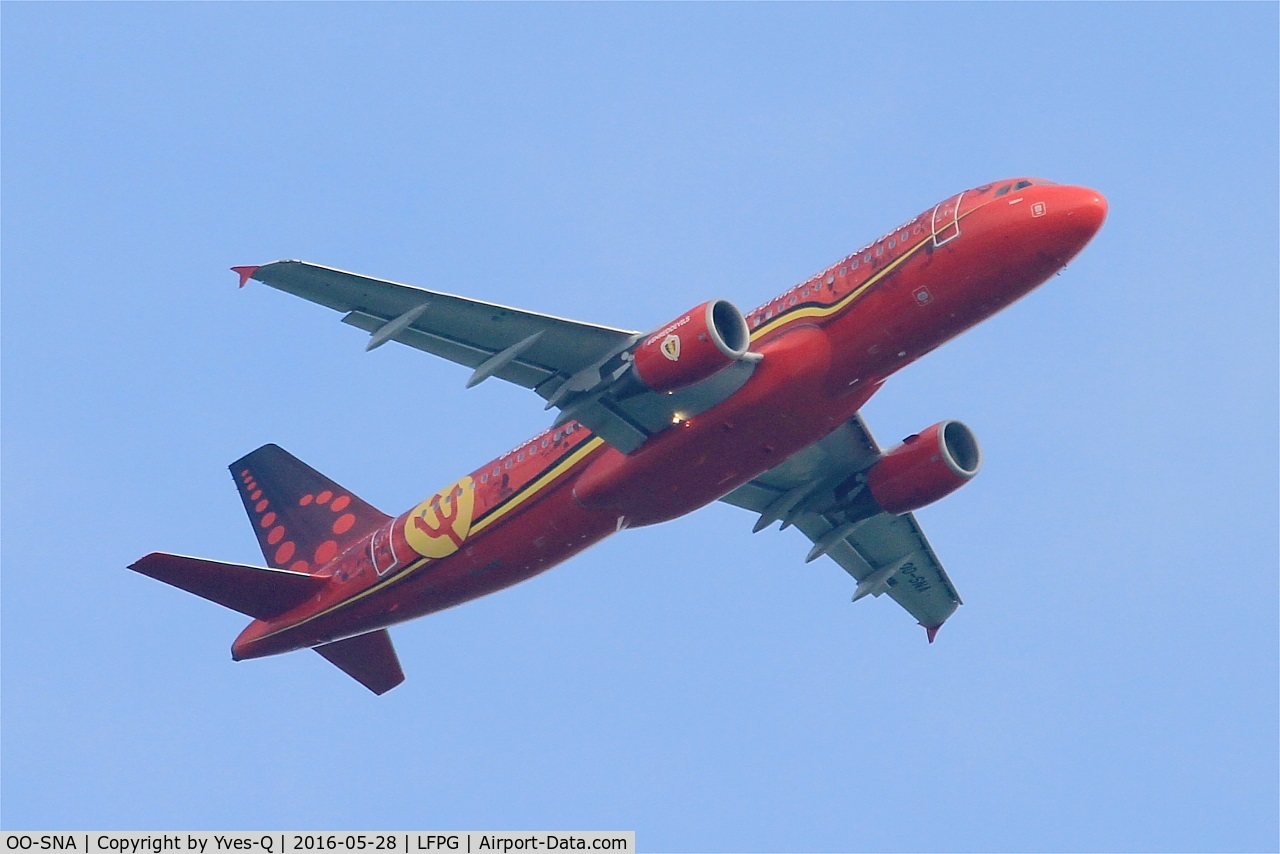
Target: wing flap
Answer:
pixel 521 371
pixel 370 659
pixel 918 583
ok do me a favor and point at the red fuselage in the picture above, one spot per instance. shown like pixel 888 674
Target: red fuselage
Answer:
pixel 827 345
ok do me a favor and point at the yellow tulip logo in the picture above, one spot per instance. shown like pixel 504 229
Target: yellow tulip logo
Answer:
pixel 437 526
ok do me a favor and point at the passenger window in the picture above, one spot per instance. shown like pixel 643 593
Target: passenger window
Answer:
pixel 854 265
pixel 497 470
pixel 484 478
pixel 867 258
pixel 791 301
pixel 546 443
pixel 755 322
pixel 1000 192
pixel 892 243
pixel 879 249
pixel 508 465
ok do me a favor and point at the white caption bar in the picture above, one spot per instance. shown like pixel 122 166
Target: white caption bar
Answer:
pixel 307 842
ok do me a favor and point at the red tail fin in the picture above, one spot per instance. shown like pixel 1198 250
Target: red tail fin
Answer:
pixel 302 518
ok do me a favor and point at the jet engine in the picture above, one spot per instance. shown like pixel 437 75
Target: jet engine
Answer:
pixel 695 346
pixel 925 467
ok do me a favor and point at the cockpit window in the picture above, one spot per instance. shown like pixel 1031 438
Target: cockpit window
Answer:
pixel 1006 188
pixel 1022 185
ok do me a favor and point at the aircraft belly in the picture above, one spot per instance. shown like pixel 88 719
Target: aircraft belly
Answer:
pixel 541 535
pixel 782 409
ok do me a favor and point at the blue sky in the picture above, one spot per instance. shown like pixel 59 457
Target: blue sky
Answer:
pixel 1111 682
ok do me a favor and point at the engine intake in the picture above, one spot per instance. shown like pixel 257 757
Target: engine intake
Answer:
pixel 695 346
pixel 927 466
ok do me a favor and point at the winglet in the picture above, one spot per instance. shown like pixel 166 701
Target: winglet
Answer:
pixel 246 273
pixel 931 631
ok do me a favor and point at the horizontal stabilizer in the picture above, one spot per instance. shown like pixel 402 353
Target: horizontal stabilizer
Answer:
pixel 370 659
pixel 256 591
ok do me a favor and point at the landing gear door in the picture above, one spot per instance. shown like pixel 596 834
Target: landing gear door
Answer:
pixel 946 220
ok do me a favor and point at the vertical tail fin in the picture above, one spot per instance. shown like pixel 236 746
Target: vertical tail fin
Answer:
pixel 302 518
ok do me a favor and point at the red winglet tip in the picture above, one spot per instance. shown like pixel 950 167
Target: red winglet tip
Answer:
pixel 246 273
pixel 931 631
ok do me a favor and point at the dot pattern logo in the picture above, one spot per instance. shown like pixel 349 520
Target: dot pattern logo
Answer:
pixel 284 549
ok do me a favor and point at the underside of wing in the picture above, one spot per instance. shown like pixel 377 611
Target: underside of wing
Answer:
pixel 584 370
pixel 462 330
pixel 817 491
pixel 889 554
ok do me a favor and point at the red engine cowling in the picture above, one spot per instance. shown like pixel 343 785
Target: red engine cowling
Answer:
pixel 696 345
pixel 925 467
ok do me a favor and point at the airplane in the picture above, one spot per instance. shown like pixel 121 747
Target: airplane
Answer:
pixel 758 410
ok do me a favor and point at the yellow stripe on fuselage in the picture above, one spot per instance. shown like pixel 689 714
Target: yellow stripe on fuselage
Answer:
pixel 806 311
pixel 519 497
pixel 528 491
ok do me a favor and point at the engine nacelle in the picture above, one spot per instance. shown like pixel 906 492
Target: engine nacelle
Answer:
pixel 927 466
pixel 698 344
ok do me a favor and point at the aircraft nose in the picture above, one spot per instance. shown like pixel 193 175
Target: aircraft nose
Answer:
pixel 1089 209
pixel 1074 216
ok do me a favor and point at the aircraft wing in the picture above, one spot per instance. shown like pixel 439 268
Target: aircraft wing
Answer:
pixel 885 554
pixel 577 367
pixel 462 330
